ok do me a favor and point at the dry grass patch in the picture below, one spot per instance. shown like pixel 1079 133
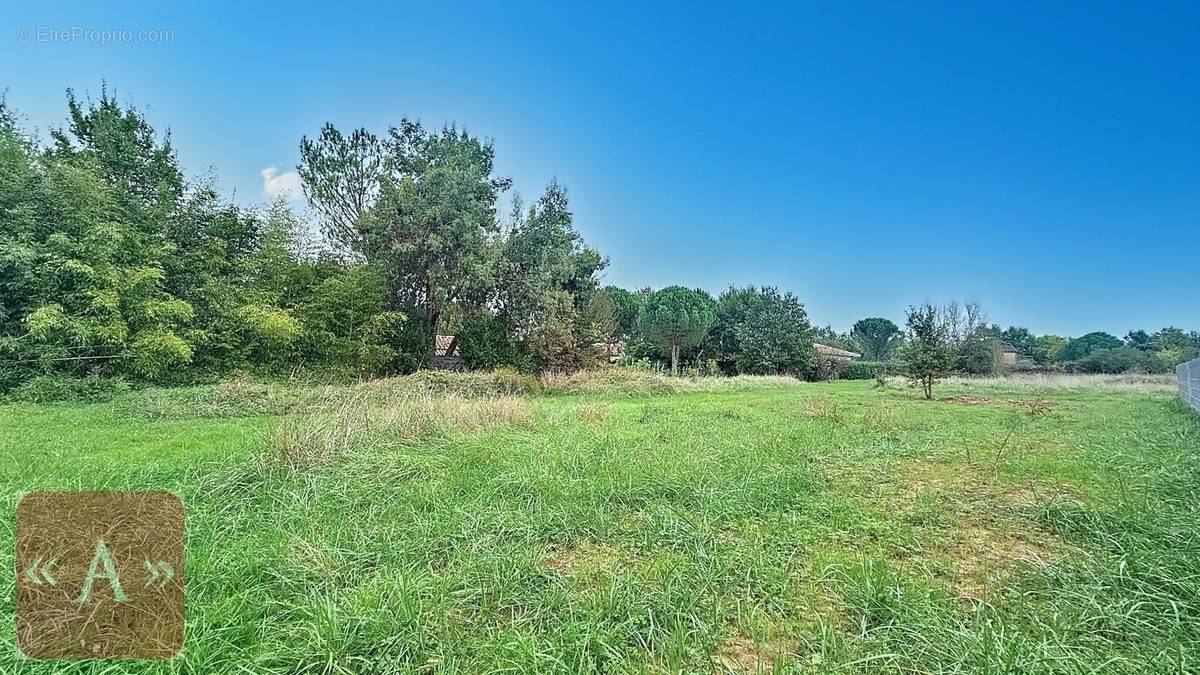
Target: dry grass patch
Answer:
pixel 583 560
pixel 619 381
pixel 365 422
pixel 981 537
pixel 742 654
pixel 821 407
pixel 1126 382
pixel 595 413
pixel 633 382
pixel 984 553
pixel 976 485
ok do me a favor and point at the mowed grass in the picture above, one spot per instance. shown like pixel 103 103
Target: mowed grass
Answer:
pixel 746 526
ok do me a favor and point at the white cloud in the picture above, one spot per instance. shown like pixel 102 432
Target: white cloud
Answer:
pixel 286 184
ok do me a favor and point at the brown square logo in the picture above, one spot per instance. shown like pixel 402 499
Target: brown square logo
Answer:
pixel 99 575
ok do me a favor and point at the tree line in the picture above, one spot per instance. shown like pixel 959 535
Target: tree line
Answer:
pixel 116 267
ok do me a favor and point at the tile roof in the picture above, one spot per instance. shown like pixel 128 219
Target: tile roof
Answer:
pixel 826 350
pixel 442 344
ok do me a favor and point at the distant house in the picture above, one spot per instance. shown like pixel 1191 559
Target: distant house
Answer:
pixel 834 354
pixel 1008 355
pixel 610 351
pixel 445 354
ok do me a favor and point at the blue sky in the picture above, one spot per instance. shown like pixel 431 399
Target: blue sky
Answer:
pixel 1040 158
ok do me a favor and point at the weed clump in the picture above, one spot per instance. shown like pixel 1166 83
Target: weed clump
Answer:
pixel 365 423
pixel 628 382
pixel 500 382
pixel 235 398
pixel 820 407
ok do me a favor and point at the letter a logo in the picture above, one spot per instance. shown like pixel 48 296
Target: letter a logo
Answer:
pixel 102 566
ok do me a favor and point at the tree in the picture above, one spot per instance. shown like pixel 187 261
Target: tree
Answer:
pixel 762 331
pixel 596 319
pixel 546 285
pixel 734 306
pixel 1123 359
pixel 829 336
pixel 625 307
pixel 1079 347
pixel 876 338
pixel 978 354
pixel 1046 349
pixel 962 322
pixel 540 254
pixel 928 354
pixel 121 145
pixel 435 218
pixel 1173 346
pixel 484 343
pixel 82 246
pixel 341 177
pixel 1138 339
pixel 347 323
pixel 676 318
pixel 775 337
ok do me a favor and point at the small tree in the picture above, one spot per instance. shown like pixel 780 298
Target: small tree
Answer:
pixel 676 318
pixel 928 354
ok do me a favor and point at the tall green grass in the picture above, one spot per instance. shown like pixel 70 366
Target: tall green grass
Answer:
pixel 714 527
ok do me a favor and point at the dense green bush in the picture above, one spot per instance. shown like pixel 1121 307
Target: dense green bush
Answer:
pixel 483 343
pixel 1080 347
pixel 1119 360
pixel 51 388
pixel 862 370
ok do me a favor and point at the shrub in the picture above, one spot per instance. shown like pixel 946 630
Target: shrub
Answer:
pixel 1119 360
pixel 823 369
pixel 484 344
pixel 52 388
pixel 862 370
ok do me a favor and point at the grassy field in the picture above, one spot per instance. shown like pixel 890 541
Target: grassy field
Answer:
pixel 654 526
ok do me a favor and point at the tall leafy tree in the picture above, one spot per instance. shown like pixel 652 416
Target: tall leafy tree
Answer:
pixel 341 176
pixel 538 256
pixel 546 285
pixel 828 335
pixel 877 338
pixel 734 306
pixel 676 318
pixel 762 331
pixel 1173 346
pixel 625 307
pixel 84 241
pixel 435 219
pixel 1046 349
pixel 1138 339
pixel 774 337
pixel 140 167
